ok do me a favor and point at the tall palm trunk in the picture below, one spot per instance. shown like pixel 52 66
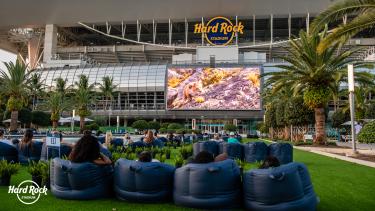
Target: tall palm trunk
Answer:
pixel 13 121
pixel 54 124
pixel 81 123
pixel 320 125
pixel 106 103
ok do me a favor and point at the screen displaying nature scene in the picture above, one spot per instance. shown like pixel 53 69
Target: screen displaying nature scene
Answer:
pixel 203 88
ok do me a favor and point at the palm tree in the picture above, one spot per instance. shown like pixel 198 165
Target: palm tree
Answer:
pixel 57 104
pixel 107 88
pixel 363 12
pixel 83 98
pixel 14 86
pixel 312 74
pixel 36 88
pixel 61 87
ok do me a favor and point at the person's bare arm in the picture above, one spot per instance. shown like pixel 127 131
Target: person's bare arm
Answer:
pixel 103 160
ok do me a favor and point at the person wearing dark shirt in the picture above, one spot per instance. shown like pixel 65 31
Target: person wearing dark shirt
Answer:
pixel 87 149
pixel 204 157
pixel 269 162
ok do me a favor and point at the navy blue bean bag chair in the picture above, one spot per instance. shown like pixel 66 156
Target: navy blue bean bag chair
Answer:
pixel 234 150
pixel 287 187
pixel 137 144
pixel 53 152
pixel 155 143
pixel 101 139
pixel 209 146
pixel 8 153
pixel 239 138
pixel 117 142
pixel 215 185
pixel 105 151
pixel 255 151
pixel 80 181
pixel 163 139
pixel 143 181
pixel 27 154
pixel 282 151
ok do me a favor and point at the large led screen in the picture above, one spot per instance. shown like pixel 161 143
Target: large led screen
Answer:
pixel 205 88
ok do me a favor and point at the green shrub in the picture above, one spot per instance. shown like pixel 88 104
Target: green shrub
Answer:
pixel 39 169
pixel 367 134
pixel 186 151
pixel 140 125
pixel 180 131
pixel 164 125
pixel 8 169
pixel 153 125
pixel 40 118
pixel 92 126
pixel 163 130
pixel 339 117
pixel 178 161
pixel 230 127
pixel 175 126
pixel 240 163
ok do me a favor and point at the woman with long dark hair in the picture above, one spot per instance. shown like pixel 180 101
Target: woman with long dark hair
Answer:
pixel 87 149
pixel 27 140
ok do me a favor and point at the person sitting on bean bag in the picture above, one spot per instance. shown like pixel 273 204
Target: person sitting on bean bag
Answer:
pixel 270 162
pixel 146 156
pixel 217 138
pixel 87 149
pixel 232 139
pixel 4 140
pixel 221 157
pixel 204 157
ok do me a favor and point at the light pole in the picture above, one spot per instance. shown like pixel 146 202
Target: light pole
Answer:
pixel 118 123
pixel 72 120
pixel 109 117
pixel 351 104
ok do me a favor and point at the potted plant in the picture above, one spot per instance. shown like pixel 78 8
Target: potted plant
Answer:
pixel 37 171
pixel 178 161
pixel 241 164
pixel 45 174
pixel 184 151
pixel 168 153
pixel 6 171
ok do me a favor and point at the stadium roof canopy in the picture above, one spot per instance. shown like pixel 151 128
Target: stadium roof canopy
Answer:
pixel 27 13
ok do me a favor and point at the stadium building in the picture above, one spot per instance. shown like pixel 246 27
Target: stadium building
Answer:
pixel 196 62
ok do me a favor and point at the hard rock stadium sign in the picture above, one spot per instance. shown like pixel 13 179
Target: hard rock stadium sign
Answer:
pixel 219 30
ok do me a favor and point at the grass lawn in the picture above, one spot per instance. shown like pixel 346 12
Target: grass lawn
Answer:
pixel 340 185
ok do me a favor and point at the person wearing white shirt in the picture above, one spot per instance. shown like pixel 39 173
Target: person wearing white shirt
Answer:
pixel 217 138
pixel 4 140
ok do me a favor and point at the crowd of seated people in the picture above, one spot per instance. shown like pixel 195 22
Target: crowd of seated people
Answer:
pixel 207 157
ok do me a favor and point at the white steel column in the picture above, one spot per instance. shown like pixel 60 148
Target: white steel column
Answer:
pixel 139 28
pixel 50 42
pixel 271 26
pixel 34 55
pixel 186 32
pixel 170 31
pixel 202 32
pixel 290 25
pixel 254 30
pixel 154 25
pixel 308 23
pixel 123 29
pixel 236 32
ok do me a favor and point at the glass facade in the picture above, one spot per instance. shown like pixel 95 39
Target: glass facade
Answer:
pixel 140 87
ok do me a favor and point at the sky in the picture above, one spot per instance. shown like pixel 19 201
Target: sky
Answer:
pixel 5 56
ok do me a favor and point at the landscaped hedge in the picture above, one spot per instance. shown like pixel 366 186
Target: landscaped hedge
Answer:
pixel 367 134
